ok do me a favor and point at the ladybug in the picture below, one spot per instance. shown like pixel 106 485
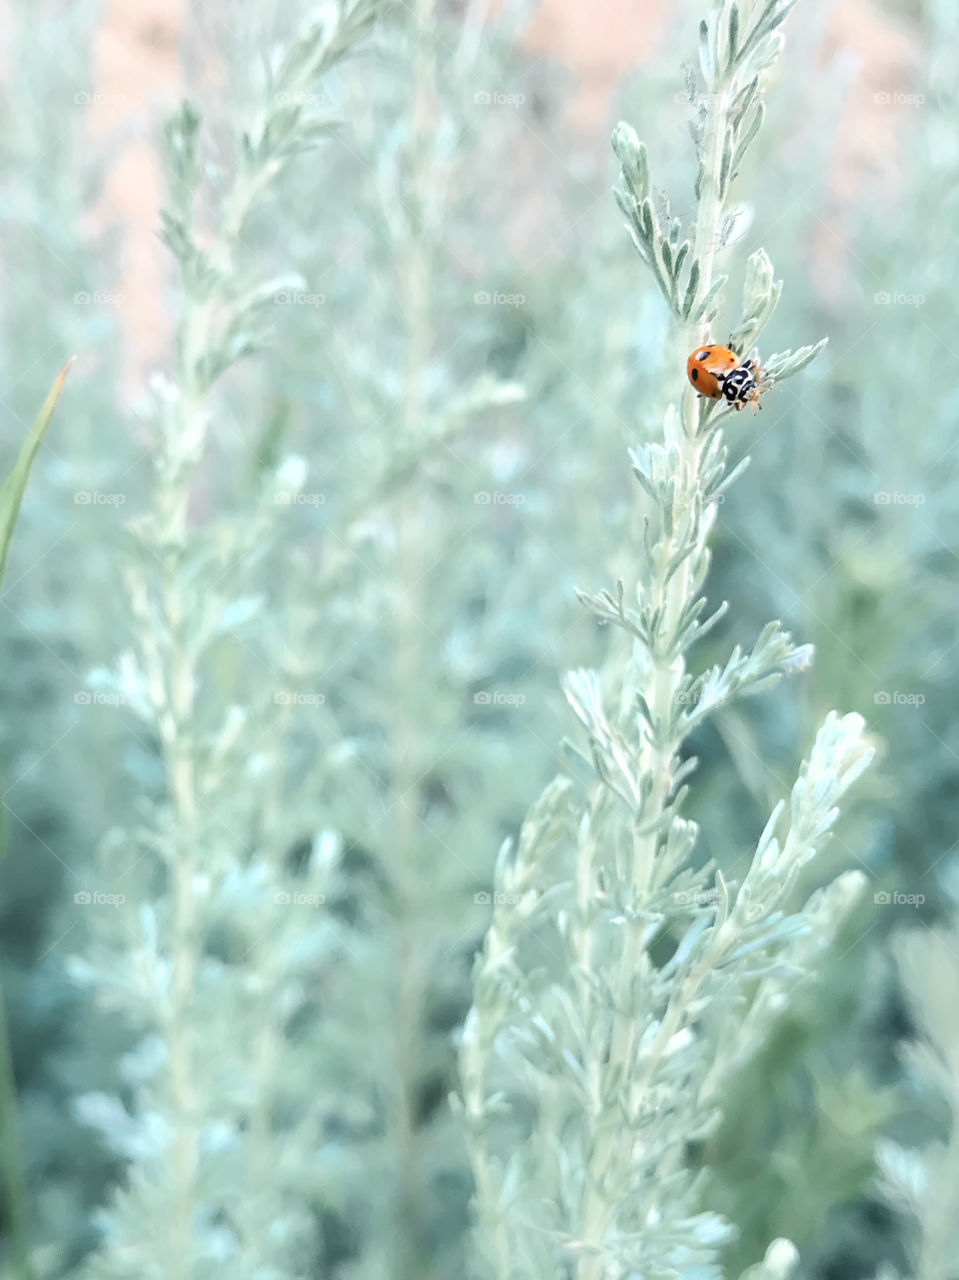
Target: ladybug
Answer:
pixel 716 372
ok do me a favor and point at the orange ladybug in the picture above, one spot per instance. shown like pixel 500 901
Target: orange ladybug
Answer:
pixel 716 372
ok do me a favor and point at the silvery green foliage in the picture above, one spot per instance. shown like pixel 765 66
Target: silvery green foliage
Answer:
pixel 866 569
pixel 595 1051
pixel 12 489
pixel 446 494
pixel 868 500
pixel 919 1162
pixel 737 44
pixel 52 801
pixel 922 1181
pixel 215 945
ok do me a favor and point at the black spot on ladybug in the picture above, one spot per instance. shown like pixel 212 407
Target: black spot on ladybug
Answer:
pixel 703 355
pixel 694 374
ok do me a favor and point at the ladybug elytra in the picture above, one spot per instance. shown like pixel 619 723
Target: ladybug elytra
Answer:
pixel 718 373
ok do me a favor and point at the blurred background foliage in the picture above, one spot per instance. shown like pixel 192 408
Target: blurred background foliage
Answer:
pixel 473 347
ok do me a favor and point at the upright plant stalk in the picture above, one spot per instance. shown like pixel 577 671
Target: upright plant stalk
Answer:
pixel 11 1171
pixel 920 1168
pixel 416 271
pixel 179 598
pixel 678 572
pixel 923 1184
pixel 409 484
pixel 609 1040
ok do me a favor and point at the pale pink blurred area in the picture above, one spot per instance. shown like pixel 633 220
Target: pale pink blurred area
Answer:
pixel 871 135
pixel 137 67
pixel 602 42
pixel 593 47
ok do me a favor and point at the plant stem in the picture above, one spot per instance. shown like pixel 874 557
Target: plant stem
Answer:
pixel 417 291
pixel 936 1259
pixel 176 676
pixel 658 760
pixel 15 1197
pixel 479 1037
pixel 179 754
pixel 267 1045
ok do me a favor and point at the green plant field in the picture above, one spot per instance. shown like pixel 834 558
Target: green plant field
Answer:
pixel 474 807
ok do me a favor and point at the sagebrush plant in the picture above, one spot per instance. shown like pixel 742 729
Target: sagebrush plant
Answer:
pixel 53 800
pixel 921 1179
pixel 427 645
pixel 799 537
pixel 382 426
pixel 919 1156
pixel 214 948
pixel 595 1054
pixel 856 550
pixel 11 1173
